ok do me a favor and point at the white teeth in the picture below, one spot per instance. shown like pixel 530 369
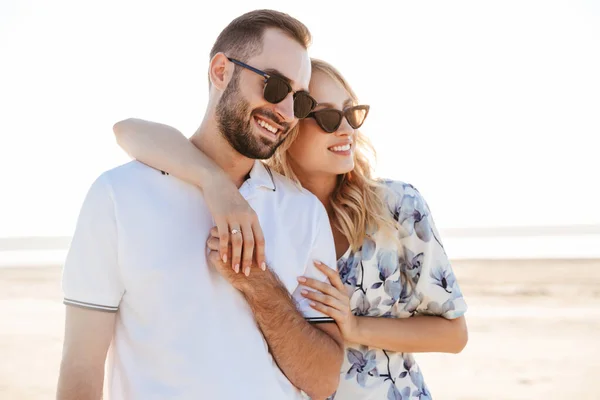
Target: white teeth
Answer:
pixel 266 126
pixel 345 147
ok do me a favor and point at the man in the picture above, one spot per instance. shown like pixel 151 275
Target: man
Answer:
pixel 137 281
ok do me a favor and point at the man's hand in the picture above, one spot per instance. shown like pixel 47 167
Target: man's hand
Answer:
pixel 239 281
pixel 309 355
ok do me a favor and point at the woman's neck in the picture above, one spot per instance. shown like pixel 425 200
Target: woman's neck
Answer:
pixel 321 186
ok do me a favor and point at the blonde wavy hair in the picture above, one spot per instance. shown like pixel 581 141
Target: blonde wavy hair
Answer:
pixel 358 200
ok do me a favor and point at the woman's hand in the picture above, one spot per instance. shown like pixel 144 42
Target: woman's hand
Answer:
pixel 331 299
pixel 236 225
pixel 165 148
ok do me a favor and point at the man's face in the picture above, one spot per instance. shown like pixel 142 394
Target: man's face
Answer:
pixel 245 118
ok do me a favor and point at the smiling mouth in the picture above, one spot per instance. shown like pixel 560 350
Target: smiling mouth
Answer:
pixel 344 148
pixel 267 128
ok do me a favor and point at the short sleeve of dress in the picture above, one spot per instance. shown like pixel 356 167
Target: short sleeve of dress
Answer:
pixel 424 260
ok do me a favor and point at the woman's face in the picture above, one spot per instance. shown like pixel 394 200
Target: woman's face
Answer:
pixel 316 152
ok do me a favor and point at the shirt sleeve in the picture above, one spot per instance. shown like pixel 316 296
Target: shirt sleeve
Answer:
pixel 425 261
pixel 323 250
pixel 91 276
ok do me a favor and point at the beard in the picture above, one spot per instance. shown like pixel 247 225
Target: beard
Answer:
pixel 235 122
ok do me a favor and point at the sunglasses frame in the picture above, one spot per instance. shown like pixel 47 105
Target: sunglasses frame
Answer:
pixel 267 77
pixel 342 114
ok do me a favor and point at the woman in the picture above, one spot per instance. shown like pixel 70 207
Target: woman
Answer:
pixel 395 293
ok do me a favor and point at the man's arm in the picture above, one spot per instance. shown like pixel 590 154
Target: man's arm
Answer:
pixel 310 355
pixel 88 334
pixel 93 289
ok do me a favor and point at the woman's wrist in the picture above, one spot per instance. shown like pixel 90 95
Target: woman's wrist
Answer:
pixel 354 333
pixel 207 177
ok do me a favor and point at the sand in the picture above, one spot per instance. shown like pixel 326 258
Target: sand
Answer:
pixel 534 333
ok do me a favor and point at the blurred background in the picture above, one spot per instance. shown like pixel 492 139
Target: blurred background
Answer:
pixel 490 108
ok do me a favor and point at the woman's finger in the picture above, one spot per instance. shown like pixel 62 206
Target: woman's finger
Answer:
pixel 248 248
pixel 221 231
pixel 322 287
pixel 259 245
pixel 324 299
pixel 236 246
pixel 329 311
pixel 333 275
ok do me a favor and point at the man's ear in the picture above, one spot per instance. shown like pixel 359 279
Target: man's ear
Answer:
pixel 220 71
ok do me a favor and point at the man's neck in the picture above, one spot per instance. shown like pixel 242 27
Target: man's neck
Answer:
pixel 212 143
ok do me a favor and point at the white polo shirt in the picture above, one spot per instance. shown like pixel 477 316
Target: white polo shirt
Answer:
pixel 182 331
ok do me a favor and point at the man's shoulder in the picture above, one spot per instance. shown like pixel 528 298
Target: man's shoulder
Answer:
pixel 128 172
pixel 135 174
pixel 136 177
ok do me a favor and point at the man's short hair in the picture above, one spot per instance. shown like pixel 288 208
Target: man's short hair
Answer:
pixel 243 37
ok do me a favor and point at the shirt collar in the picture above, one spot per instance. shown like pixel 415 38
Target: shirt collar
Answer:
pixel 261 175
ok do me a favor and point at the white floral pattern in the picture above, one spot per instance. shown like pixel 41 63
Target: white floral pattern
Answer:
pixel 385 282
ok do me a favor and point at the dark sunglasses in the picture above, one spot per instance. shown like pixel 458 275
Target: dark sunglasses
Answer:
pixel 277 88
pixel 330 119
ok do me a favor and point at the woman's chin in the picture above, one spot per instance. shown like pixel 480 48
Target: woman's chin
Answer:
pixel 321 171
pixel 343 168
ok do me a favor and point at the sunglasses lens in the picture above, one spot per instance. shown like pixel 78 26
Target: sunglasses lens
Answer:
pixel 356 116
pixel 303 104
pixel 329 120
pixel 276 90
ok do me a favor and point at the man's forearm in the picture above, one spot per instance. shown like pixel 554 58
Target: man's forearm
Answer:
pixel 309 357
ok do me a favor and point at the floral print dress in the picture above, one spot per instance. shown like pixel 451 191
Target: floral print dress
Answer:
pixel 391 281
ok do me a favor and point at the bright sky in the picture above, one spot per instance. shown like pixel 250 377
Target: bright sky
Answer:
pixel 492 109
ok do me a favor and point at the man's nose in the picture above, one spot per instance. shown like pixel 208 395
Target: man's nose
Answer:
pixel 285 108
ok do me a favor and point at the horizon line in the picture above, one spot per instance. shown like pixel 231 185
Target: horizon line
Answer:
pixel 11 243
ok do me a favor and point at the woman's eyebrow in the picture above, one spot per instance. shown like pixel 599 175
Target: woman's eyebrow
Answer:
pixel 348 102
pixel 326 105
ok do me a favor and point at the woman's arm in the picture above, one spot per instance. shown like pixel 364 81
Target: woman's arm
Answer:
pixel 167 149
pixel 407 335
pixel 412 335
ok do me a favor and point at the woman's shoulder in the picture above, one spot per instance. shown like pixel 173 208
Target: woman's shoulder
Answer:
pixel 396 186
pixel 395 192
pixel 410 210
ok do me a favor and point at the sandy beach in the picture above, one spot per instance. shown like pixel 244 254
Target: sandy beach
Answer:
pixel 534 333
